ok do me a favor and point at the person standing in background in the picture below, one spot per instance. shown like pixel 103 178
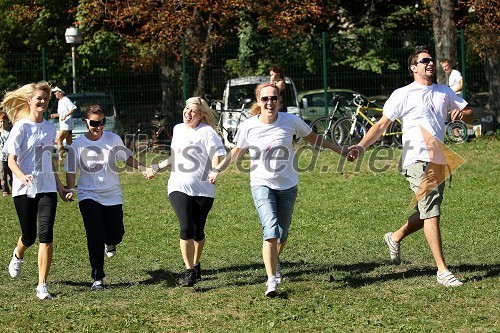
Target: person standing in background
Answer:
pixel 454 76
pixel 65 110
pixel 278 79
pixel 6 172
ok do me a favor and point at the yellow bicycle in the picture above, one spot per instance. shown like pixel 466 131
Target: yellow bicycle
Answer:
pixel 352 129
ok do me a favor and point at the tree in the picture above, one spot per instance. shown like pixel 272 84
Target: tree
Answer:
pixel 445 34
pixel 152 31
pixel 483 33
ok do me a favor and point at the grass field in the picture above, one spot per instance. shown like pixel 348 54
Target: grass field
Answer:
pixel 337 276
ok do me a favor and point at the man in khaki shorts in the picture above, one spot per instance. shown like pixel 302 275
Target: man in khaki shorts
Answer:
pixel 65 109
pixel 423 107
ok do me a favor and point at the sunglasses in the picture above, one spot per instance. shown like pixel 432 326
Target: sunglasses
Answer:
pixel 266 99
pixel 96 123
pixel 425 61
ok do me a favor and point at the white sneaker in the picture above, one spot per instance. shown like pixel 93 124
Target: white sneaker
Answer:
pixel 447 279
pixel 272 288
pixel 394 248
pixel 278 272
pixel 110 250
pixel 15 265
pixel 42 292
pixel 97 285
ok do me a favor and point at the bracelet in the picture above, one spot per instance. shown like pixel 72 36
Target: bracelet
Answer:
pixel 72 190
pixel 216 170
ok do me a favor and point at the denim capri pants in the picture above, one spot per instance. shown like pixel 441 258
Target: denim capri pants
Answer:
pixel 275 208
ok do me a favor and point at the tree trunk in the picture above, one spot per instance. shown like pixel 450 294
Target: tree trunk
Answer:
pixel 445 35
pixel 492 72
pixel 200 82
pixel 171 71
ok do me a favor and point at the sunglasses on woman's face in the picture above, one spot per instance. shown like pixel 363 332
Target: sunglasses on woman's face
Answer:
pixel 266 99
pixel 96 123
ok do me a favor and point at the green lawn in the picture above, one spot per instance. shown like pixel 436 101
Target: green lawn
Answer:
pixel 337 276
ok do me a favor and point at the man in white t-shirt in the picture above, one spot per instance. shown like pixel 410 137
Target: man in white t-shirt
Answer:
pixel 454 76
pixel 65 110
pixel 423 107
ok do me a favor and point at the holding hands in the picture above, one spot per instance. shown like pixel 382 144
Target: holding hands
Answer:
pixel 354 152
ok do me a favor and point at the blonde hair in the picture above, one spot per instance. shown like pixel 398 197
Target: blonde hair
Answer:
pixel 255 108
pixel 15 103
pixel 208 115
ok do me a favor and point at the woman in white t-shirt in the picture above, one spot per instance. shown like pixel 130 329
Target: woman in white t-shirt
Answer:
pixel 196 147
pixel 95 154
pixel 268 136
pixel 35 183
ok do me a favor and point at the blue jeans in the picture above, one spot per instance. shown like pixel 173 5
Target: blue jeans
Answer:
pixel 275 208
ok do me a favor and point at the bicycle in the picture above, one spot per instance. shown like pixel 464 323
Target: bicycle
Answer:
pixel 352 129
pixel 151 138
pixel 323 125
pixel 229 121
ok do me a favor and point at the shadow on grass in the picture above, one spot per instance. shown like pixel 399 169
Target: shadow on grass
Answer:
pixel 355 280
pixel 347 276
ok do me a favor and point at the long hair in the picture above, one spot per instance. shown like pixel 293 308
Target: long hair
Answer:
pixel 255 108
pixel 15 103
pixel 208 115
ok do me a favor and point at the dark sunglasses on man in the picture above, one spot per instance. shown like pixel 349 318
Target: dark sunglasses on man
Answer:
pixel 95 123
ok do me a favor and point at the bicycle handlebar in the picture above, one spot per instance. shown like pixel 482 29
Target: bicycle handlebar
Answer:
pixel 357 100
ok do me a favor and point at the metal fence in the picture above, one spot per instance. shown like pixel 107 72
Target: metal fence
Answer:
pixel 312 63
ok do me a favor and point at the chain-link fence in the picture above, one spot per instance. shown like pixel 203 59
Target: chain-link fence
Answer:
pixel 313 63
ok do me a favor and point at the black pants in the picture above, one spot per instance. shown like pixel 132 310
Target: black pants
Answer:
pixel 192 214
pixel 7 178
pixel 29 210
pixel 103 225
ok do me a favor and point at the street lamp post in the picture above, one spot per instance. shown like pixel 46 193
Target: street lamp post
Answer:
pixel 73 37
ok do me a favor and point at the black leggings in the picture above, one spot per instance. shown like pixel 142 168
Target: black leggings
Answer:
pixel 192 214
pixel 41 208
pixel 103 225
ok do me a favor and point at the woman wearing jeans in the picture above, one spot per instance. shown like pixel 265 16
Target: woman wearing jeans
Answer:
pixel 268 136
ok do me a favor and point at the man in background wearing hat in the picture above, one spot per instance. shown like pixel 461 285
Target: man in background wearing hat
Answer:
pixel 65 109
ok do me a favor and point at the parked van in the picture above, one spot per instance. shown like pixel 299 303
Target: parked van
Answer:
pixel 239 95
pixel 82 101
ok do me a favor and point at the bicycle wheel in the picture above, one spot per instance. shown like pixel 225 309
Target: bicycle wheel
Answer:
pixel 320 126
pixel 456 132
pixel 345 135
pixel 397 137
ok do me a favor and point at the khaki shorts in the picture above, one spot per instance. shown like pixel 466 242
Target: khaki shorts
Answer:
pixel 427 182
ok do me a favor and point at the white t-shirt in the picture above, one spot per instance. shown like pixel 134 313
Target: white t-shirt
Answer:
pixel 64 106
pixel 192 152
pixel 4 134
pixel 97 163
pixel 423 111
pixel 454 81
pixel 272 157
pixel 33 144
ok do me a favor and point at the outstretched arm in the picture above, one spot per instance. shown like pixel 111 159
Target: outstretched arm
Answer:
pixel 370 138
pixel 235 153
pixel 319 141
